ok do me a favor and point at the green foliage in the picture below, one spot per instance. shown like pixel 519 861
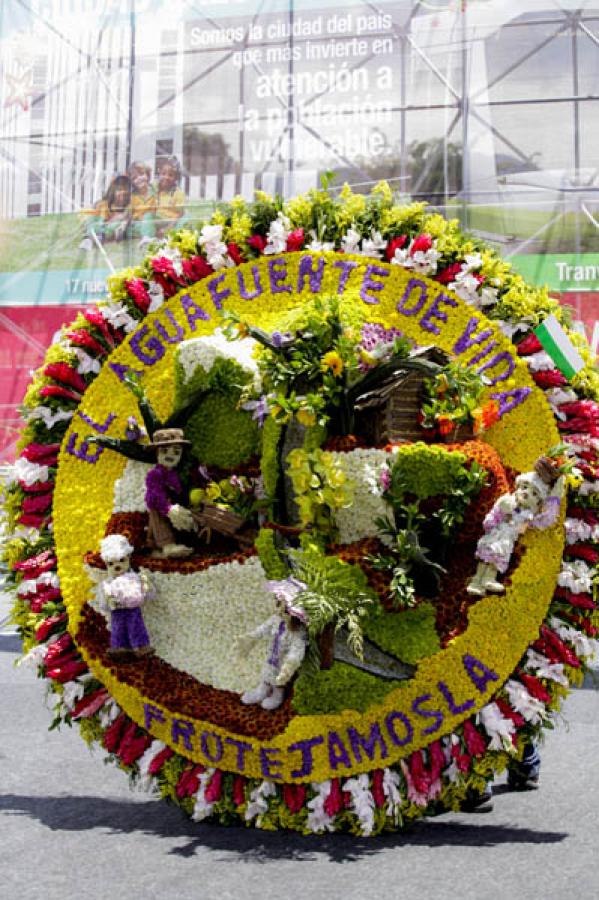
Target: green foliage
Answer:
pixel 269 462
pixel 410 635
pixel 320 486
pixel 452 397
pixel 318 692
pixel 272 562
pixel 336 592
pixel 220 434
pixel 423 472
pixel 90 730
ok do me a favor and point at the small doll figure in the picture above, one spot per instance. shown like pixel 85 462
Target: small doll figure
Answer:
pixel 286 630
pixel 535 503
pixel 124 592
pixel 163 489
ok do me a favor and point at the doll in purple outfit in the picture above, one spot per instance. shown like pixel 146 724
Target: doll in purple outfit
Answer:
pixel 163 490
pixel 535 503
pixel 124 592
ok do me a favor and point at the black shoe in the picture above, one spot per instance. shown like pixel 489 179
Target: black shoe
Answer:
pixel 478 803
pixel 522 782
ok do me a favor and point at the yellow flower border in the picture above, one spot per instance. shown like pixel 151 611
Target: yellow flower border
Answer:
pixel 449 682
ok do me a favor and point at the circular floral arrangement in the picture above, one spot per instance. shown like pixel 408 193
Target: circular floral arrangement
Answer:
pixel 358 389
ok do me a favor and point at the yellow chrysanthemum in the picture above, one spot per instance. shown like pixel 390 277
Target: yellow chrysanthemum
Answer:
pixel 332 361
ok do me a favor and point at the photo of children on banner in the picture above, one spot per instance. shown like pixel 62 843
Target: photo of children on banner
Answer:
pixel 134 207
pixel 167 516
pixel 287 637
pixel 143 203
pixel 111 215
pixel 535 503
pixel 170 199
pixel 123 592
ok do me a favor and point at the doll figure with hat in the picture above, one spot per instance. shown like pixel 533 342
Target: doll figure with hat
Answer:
pixel 534 503
pixel 287 634
pixel 124 592
pixel 163 490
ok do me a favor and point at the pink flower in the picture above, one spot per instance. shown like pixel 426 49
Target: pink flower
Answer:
pixel 196 268
pixel 214 787
pixel 446 276
pixel 36 565
pixel 257 242
pixel 66 374
pixel 44 454
pixel 385 479
pixel 112 735
pixel 90 704
pixel 422 243
pixel 378 794
pixel 95 317
pixel 139 294
pixel 82 338
pixel 334 802
pixel 535 688
pixel 238 790
pixel 234 251
pixel 159 760
pixel 162 265
pixel 46 628
pixel 39 503
pixel 530 344
pixel 295 240
pixel 294 796
pixel 474 740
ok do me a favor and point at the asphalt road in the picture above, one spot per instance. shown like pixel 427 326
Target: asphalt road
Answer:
pixel 72 830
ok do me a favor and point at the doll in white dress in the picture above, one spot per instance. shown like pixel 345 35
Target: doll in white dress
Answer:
pixel 535 503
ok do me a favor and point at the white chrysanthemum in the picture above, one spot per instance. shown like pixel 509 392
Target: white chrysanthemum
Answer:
pixel 74 690
pixel 204 351
pixel 350 242
pixel 130 489
pixel 34 657
pixel 195 618
pixel 588 488
pixel 362 467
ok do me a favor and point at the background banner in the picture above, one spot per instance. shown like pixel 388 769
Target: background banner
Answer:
pixel 119 120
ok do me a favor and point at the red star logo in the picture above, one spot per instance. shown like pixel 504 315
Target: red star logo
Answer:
pixel 20 89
